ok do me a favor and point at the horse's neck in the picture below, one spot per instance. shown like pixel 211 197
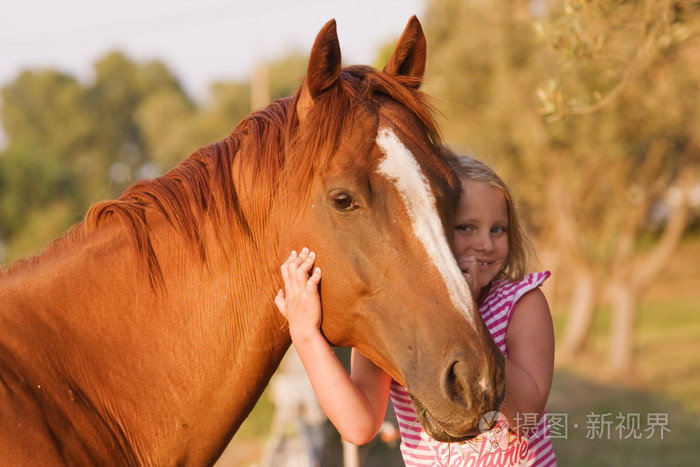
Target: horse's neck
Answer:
pixel 174 370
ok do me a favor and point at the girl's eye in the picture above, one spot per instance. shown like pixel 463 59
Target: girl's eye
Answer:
pixel 498 230
pixel 343 201
pixel 464 228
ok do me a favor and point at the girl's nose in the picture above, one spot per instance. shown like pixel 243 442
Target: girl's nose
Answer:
pixel 484 242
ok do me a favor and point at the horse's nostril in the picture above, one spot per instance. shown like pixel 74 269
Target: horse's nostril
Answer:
pixel 472 387
pixel 456 383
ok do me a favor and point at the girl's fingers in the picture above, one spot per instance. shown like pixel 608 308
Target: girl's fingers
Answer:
pixel 315 278
pixel 301 256
pixel 304 260
pixel 472 276
pixel 285 268
pixel 308 262
pixel 292 263
pixel 300 263
pixel 280 302
pixel 295 273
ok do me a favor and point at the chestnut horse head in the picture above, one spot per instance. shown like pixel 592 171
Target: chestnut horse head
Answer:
pixel 147 333
pixel 377 207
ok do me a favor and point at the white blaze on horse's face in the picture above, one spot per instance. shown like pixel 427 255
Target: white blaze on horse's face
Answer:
pixel 401 168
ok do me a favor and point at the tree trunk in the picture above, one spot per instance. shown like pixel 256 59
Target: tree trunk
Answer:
pixel 624 299
pixel 625 289
pixel 580 314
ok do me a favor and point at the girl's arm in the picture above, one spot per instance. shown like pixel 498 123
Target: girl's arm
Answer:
pixel 530 361
pixel 355 405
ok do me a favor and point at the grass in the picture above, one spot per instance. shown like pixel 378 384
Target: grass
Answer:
pixel 590 406
pixel 665 381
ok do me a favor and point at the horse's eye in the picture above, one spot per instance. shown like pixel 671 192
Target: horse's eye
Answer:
pixel 343 201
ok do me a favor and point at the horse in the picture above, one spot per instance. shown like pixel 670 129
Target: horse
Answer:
pixel 147 332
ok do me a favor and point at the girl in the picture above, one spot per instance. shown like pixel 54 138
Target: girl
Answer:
pixel 492 251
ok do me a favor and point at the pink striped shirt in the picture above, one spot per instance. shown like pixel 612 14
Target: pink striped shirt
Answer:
pixel 499 446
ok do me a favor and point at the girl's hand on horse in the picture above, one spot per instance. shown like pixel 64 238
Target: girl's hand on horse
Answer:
pixel 470 271
pixel 299 301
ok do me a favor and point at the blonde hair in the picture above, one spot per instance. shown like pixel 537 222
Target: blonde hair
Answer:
pixel 520 249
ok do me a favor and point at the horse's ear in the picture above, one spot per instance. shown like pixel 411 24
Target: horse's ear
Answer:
pixel 324 68
pixel 408 59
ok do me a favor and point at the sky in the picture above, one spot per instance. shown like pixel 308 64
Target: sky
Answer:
pixel 201 41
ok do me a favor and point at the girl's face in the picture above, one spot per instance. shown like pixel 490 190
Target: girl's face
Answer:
pixel 481 230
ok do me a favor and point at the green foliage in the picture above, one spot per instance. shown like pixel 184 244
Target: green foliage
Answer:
pixel 49 110
pixel 586 89
pixel 71 144
pixel 589 109
pixel 229 104
pixel 30 180
pixel 287 74
pixel 164 119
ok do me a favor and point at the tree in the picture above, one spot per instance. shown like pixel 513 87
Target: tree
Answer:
pixel 165 123
pixel 615 126
pixel 47 109
pixel 71 143
pixel 634 84
pixel 287 73
pixel 33 193
pixel 120 89
pixel 45 119
pixel 68 142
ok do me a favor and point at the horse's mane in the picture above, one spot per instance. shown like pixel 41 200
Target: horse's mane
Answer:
pixel 200 187
pixel 267 146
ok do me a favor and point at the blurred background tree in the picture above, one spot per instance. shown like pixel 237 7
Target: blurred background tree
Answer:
pixel 590 110
pixel 70 144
